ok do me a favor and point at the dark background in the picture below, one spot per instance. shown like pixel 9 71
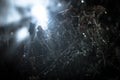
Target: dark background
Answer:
pixel 14 66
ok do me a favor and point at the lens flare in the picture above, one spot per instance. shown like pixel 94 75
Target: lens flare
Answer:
pixel 22 34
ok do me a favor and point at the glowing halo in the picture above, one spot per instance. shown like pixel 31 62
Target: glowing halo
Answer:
pixel 39 12
pixel 22 34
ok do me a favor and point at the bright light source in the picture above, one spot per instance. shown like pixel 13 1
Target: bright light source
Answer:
pixel 59 5
pixel 82 1
pixel 105 12
pixel 22 34
pixel 40 13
